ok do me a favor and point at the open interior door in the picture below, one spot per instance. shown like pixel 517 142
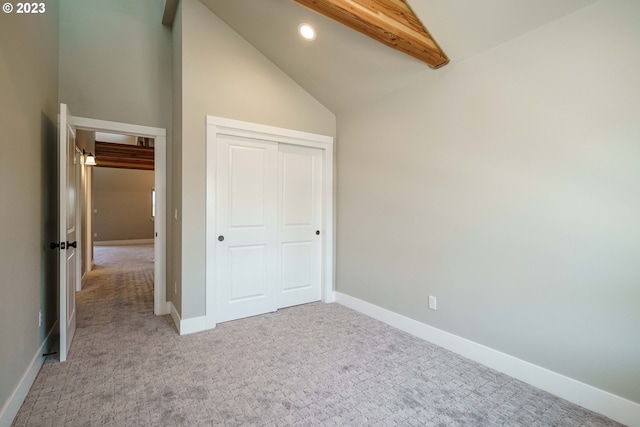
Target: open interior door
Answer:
pixel 68 258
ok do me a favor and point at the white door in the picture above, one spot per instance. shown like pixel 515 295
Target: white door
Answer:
pixel 299 220
pixel 246 249
pixel 68 259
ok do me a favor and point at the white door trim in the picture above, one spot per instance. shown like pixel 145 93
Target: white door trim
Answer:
pixel 160 306
pixel 222 126
pixel 79 248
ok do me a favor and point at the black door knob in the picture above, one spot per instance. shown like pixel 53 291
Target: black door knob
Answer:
pixel 221 238
pixel 317 232
pixel 71 244
pixel 54 245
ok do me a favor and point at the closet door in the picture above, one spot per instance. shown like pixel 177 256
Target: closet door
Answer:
pixel 246 227
pixel 299 224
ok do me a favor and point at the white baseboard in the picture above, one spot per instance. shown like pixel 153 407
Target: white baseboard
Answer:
pixel 196 324
pixel 594 399
pixel 166 308
pixel 123 242
pixel 187 326
pixel 11 408
pixel 330 297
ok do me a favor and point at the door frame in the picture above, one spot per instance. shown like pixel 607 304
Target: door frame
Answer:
pixel 80 171
pixel 160 305
pixel 223 126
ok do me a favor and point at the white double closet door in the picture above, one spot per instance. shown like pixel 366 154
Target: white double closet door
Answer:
pixel 268 225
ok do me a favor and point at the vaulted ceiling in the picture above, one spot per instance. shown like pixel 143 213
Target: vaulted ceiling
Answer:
pixel 343 68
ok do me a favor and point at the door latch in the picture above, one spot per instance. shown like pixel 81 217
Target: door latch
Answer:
pixel 61 245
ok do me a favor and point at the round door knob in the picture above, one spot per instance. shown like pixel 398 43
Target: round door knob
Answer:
pixel 220 238
pixel 317 232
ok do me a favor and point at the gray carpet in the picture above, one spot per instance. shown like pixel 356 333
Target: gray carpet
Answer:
pixel 316 364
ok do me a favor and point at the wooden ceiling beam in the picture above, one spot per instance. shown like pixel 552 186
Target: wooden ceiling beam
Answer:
pixel 122 163
pixel 391 22
pixel 110 155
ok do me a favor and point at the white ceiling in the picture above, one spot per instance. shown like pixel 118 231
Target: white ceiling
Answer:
pixel 344 69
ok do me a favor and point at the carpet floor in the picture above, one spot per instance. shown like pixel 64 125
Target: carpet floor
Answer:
pixel 315 364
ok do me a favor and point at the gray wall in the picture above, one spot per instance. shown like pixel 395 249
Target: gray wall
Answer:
pixel 507 186
pixel 115 61
pixel 122 204
pixel 174 293
pixel 28 188
pixel 223 75
pixel 115 64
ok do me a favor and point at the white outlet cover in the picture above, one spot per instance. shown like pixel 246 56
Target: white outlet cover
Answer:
pixel 432 303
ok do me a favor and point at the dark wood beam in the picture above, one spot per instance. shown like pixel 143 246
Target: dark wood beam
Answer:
pixel 391 22
pixel 124 156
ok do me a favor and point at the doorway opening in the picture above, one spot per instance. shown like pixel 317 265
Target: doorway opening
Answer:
pixel 156 218
pixel 122 210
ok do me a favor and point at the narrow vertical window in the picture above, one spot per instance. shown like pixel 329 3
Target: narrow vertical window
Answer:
pixel 153 203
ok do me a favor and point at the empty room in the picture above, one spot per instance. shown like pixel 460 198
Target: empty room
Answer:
pixel 360 212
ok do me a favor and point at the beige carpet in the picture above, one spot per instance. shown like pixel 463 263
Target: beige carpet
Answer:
pixel 316 364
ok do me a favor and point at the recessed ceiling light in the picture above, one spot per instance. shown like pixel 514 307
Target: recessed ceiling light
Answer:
pixel 307 31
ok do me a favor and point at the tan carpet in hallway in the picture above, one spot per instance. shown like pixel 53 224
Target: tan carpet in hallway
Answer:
pixel 317 364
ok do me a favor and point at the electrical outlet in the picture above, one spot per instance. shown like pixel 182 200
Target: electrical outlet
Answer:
pixel 175 214
pixel 175 288
pixel 40 319
pixel 432 303
pixel 95 234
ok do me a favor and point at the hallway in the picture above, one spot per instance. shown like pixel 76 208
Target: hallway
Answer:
pixel 122 275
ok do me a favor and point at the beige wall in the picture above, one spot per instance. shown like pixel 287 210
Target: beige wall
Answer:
pixel 223 75
pixel 28 189
pixel 122 204
pixel 507 186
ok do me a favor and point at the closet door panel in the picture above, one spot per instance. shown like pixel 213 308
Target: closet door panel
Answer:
pixel 246 250
pixel 300 219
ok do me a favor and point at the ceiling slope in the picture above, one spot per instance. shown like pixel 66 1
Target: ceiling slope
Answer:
pixel 344 69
